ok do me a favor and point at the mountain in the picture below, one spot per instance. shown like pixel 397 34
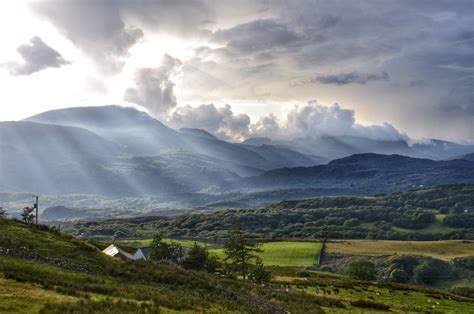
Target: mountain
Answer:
pixel 438 149
pixel 198 132
pixel 138 134
pixel 334 147
pixel 362 174
pixel 469 157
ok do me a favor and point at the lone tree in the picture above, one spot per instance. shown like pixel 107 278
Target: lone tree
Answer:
pixel 3 213
pixel 27 215
pixel 239 252
pixel 363 270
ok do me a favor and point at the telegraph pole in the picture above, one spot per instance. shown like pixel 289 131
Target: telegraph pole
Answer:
pixel 35 206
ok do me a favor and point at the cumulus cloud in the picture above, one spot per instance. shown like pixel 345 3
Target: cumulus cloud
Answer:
pixel 95 27
pixel 348 78
pixel 305 123
pixel 37 56
pixel 314 120
pixel 154 88
pixel 222 121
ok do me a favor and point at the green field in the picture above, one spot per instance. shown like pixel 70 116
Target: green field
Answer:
pixel 295 254
pixel 445 250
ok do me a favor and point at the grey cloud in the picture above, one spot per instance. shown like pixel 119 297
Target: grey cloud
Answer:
pixel 36 56
pixel 96 27
pixel 222 121
pixel 256 35
pixel 154 88
pixel 349 78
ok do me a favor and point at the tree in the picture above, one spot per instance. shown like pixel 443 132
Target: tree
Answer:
pixel 3 213
pixel 168 252
pixel 432 270
pixel 363 270
pixel 197 257
pixel 27 215
pixel 239 252
pixel 258 274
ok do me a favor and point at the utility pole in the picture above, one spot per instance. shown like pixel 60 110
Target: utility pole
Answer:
pixel 35 206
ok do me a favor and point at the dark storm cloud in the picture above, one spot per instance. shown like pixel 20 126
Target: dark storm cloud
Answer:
pixel 36 56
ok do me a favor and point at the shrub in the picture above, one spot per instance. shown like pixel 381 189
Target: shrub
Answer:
pixel 303 274
pixel 370 305
pixel 360 269
pixel 399 275
pixel 431 271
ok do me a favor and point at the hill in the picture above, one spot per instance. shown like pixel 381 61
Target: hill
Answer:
pixel 411 215
pixel 62 273
pixel 363 174
pixel 44 271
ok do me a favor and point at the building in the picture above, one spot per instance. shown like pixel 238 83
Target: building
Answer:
pixel 142 253
pixel 115 251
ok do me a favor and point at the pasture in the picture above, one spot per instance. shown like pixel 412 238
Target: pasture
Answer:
pixel 445 250
pixel 293 254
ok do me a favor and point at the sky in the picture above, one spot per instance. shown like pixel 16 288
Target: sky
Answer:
pixel 289 69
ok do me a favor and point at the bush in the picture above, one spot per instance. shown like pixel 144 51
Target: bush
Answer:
pixel 370 305
pixel 353 222
pixel 363 270
pixel 327 269
pixel 431 271
pixel 467 292
pixel 303 274
pixel 399 275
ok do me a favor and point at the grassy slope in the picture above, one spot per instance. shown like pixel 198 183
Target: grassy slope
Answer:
pixel 177 290
pixel 173 289
pixel 438 249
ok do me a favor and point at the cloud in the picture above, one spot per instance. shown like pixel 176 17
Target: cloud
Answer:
pixel 95 27
pixel 36 56
pixel 222 121
pixel 348 78
pixel 313 120
pixel 154 88
pixel 256 35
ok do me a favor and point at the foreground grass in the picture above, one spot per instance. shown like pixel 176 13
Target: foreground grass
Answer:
pixel 445 250
pixel 295 254
pixel 16 297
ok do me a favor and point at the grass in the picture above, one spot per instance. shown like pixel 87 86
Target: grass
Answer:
pixel 27 298
pixel 295 254
pixel 445 250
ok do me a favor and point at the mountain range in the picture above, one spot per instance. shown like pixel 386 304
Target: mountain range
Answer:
pixel 122 152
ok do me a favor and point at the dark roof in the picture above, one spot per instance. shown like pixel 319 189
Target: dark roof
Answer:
pixel 145 251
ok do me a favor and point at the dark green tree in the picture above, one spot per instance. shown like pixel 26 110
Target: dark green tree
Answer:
pixel 258 274
pixel 27 215
pixel 239 252
pixel 3 213
pixel 363 270
pixel 197 257
pixel 167 252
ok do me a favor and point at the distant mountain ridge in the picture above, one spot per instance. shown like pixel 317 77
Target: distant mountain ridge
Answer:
pixel 124 153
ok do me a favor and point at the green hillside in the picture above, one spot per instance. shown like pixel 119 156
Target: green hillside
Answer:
pixel 44 271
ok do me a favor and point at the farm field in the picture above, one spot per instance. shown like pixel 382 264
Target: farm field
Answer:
pixel 294 254
pixel 445 250
pixel 284 253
